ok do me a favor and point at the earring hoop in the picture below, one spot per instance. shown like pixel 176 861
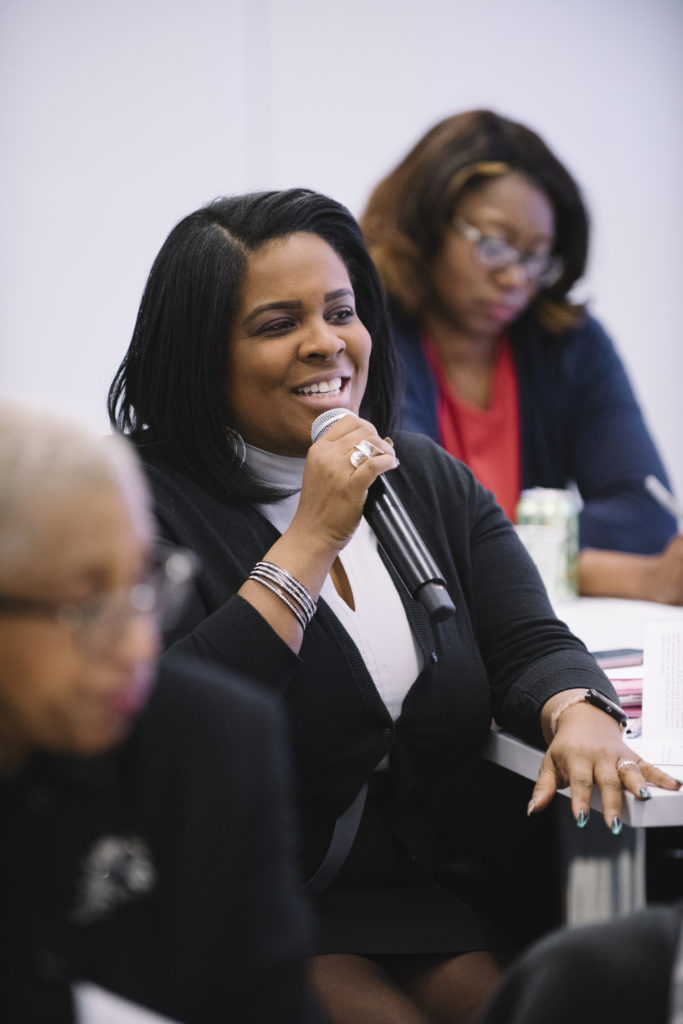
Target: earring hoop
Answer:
pixel 239 448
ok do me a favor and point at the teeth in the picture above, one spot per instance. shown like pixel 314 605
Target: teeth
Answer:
pixel 324 387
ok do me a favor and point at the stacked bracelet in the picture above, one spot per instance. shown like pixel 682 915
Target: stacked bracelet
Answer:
pixel 287 588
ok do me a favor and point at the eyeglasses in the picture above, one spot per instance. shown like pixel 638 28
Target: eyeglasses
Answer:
pixel 542 269
pixel 99 622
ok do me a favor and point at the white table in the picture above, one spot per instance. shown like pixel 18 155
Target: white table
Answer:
pixel 599 886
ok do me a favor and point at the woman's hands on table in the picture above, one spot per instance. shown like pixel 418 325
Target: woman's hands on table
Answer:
pixel 588 750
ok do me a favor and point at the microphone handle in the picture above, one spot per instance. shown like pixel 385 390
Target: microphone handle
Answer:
pixel 397 535
pixel 406 550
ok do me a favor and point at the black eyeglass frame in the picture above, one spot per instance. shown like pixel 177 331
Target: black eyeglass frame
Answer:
pixel 549 269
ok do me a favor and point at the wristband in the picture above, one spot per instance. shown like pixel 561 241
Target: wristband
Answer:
pixel 598 700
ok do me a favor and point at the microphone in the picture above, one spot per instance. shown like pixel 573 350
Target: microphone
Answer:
pixel 399 538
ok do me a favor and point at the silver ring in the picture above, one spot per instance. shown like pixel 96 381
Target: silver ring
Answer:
pixel 357 457
pixel 368 448
pixel 625 764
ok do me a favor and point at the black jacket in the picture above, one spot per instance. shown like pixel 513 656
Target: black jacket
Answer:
pixel 163 871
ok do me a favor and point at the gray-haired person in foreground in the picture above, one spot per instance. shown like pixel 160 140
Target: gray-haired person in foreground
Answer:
pixel 146 841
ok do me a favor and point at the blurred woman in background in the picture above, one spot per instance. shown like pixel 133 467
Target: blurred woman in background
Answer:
pixel 479 235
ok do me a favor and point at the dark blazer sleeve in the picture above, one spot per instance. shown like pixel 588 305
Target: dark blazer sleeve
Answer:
pixel 581 423
pixel 503 614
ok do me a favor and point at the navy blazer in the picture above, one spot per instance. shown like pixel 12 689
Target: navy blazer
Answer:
pixel 580 423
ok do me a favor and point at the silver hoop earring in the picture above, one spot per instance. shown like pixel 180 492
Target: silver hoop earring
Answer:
pixel 239 448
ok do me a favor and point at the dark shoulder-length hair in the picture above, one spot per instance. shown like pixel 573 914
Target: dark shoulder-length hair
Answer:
pixel 169 393
pixel 408 213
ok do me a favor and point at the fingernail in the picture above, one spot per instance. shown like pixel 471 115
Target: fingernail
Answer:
pixel 396 463
pixel 530 807
pixel 582 819
pixel 644 794
pixel 616 826
pixel 389 441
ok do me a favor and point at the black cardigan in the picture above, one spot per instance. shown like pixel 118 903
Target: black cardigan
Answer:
pixel 503 653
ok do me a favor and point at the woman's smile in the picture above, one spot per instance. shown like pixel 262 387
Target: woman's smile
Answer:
pixel 325 387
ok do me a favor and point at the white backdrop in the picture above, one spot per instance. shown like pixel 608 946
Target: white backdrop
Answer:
pixel 117 119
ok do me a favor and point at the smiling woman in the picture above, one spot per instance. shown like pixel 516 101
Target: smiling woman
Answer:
pixel 173 390
pixel 260 313
pixel 298 346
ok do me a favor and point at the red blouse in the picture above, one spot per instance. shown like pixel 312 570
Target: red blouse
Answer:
pixel 488 440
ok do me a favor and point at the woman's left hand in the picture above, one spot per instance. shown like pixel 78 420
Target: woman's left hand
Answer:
pixel 588 750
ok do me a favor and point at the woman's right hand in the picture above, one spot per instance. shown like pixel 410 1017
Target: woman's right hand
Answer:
pixel 334 490
pixel 330 507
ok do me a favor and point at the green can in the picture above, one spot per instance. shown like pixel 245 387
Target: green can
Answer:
pixel 548 526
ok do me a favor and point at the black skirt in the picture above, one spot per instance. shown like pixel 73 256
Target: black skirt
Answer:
pixel 385 899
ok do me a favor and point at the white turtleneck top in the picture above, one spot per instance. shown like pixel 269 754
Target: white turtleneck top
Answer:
pixel 379 626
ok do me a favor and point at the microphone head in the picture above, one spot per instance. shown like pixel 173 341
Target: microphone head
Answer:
pixel 325 420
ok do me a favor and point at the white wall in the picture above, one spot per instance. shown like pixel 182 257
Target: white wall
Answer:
pixel 118 118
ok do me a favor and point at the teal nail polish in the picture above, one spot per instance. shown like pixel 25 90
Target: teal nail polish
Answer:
pixel 616 826
pixel 582 819
pixel 644 794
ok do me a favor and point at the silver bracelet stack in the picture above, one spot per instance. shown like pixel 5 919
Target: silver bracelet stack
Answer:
pixel 287 588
